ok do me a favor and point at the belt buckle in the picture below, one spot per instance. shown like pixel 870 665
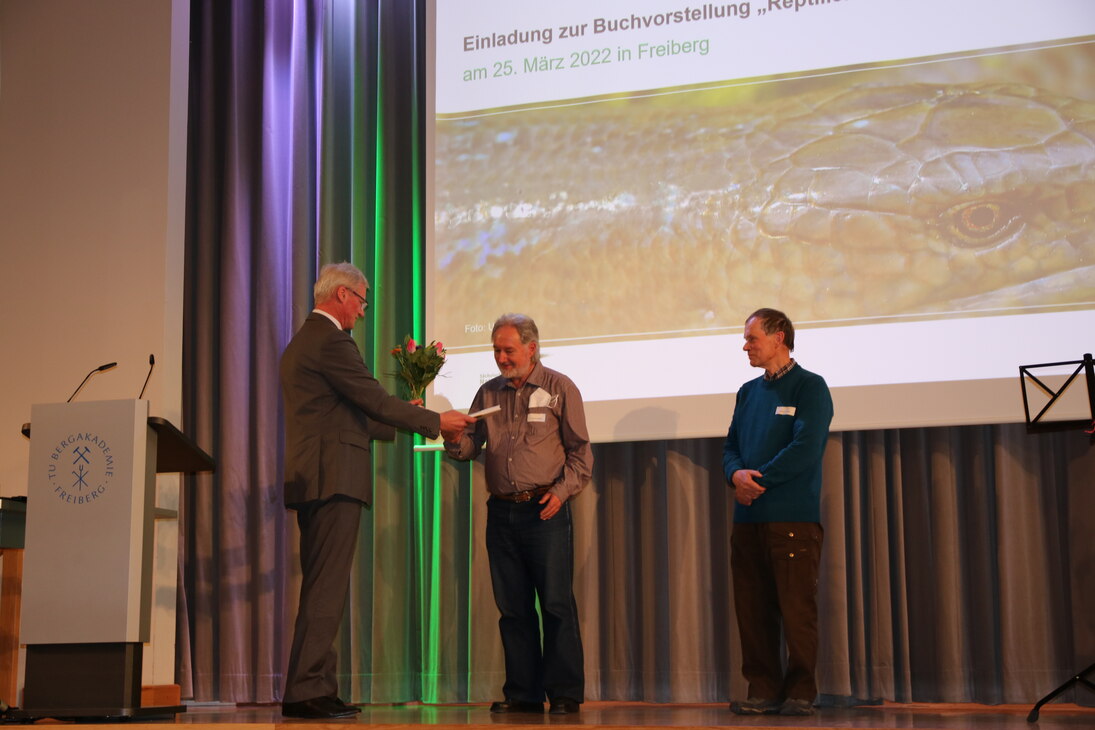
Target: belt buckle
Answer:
pixel 522 496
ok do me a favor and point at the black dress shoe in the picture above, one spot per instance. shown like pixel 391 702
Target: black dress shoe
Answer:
pixel 564 706
pixel 318 708
pixel 516 706
pixel 338 701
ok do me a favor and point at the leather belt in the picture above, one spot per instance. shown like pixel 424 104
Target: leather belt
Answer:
pixel 526 496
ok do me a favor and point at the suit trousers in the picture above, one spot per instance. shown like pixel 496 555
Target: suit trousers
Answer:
pixel 328 542
pixel 775 572
pixel 533 559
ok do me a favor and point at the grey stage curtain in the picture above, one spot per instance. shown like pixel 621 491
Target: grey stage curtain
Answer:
pixel 956 568
pixel 957 560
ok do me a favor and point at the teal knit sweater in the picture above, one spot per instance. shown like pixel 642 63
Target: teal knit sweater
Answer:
pixel 780 428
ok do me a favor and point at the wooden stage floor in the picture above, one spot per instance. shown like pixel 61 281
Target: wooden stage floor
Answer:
pixel 637 715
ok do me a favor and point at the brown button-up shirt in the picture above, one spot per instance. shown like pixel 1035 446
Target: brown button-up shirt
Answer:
pixel 538 439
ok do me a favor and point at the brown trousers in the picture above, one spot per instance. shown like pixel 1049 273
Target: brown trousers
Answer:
pixel 775 570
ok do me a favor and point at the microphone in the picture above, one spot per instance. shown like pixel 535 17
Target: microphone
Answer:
pixel 99 369
pixel 151 364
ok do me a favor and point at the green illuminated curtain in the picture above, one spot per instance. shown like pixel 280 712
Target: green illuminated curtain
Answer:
pixel 305 148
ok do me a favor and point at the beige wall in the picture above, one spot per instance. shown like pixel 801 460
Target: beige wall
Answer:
pixel 91 208
pixel 92 181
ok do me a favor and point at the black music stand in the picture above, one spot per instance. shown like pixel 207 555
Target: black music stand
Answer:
pixel 1037 425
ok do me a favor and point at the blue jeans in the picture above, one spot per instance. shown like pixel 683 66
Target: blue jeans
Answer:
pixel 531 558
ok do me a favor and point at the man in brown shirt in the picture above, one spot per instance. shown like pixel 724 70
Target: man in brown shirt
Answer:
pixel 537 457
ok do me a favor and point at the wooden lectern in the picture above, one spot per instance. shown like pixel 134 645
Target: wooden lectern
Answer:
pixel 87 571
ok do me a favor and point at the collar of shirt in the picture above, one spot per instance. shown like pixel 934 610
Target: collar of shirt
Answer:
pixel 781 372
pixel 535 378
pixel 328 316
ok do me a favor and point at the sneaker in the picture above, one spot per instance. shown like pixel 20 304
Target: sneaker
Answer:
pixel 755 706
pixel 792 706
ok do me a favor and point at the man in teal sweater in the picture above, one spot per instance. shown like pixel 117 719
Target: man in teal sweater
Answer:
pixel 772 459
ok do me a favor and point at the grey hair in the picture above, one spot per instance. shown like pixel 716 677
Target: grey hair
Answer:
pixel 526 330
pixel 773 321
pixel 332 276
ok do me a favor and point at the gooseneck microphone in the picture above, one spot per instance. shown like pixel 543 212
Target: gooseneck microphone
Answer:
pixel 99 369
pixel 151 364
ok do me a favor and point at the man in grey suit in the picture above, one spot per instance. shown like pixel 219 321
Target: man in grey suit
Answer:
pixel 333 407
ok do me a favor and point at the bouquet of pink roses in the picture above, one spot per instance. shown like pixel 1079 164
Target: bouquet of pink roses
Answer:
pixel 418 365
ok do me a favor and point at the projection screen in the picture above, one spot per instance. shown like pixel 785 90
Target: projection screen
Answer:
pixel 911 181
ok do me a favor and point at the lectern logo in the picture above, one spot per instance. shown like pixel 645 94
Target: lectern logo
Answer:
pixel 81 467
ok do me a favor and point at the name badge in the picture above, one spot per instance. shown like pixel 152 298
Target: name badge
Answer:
pixel 785 410
pixel 537 417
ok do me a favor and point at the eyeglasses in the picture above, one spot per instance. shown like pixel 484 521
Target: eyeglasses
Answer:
pixel 364 304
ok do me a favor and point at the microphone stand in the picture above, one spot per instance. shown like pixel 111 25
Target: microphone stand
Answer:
pixel 99 369
pixel 151 364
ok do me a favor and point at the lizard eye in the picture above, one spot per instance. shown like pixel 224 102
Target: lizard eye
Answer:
pixel 980 224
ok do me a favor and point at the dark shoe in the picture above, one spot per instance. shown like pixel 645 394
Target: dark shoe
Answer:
pixel 517 706
pixel 792 706
pixel 346 705
pixel 318 708
pixel 338 701
pixel 563 706
pixel 755 706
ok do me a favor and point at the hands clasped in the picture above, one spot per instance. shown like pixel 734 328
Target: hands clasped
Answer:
pixel 746 488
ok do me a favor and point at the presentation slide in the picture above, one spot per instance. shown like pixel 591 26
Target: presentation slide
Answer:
pixel 912 182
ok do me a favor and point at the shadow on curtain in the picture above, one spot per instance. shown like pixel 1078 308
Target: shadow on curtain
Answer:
pixel 957 560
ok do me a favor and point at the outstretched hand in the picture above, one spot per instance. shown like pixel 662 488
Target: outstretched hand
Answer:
pixel 453 424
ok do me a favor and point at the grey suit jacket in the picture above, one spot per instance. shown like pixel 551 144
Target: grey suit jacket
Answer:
pixel 333 406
